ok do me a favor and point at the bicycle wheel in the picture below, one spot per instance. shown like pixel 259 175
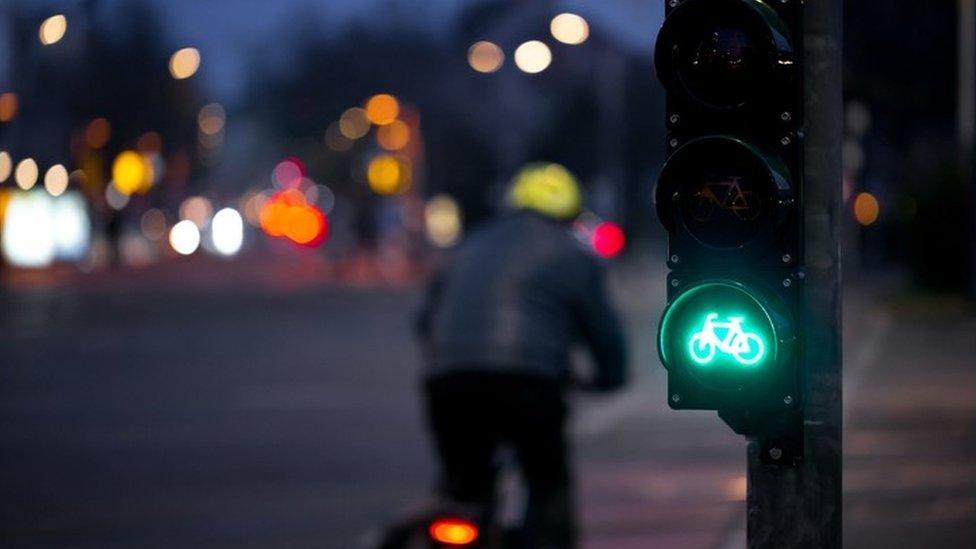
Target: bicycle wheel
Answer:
pixel 749 349
pixel 701 349
pixel 702 205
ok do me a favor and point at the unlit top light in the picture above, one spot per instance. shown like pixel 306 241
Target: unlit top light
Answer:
pixel 569 28
pixel 533 57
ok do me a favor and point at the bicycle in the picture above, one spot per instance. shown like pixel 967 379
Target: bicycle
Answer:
pixel 741 204
pixel 745 347
pixel 447 524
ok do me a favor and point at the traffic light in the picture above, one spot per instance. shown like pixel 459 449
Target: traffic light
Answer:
pixel 729 195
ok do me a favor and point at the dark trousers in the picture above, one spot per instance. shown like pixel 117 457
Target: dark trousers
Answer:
pixel 473 414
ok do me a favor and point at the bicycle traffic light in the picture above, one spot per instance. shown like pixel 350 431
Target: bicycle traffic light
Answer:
pixel 729 197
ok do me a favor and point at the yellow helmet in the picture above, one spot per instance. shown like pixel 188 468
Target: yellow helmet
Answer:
pixel 548 189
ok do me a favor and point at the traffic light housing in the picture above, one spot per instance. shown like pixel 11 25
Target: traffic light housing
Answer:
pixel 729 195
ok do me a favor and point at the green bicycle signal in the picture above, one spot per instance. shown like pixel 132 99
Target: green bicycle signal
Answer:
pixel 720 332
pixel 746 348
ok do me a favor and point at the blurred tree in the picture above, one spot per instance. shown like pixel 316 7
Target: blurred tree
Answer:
pixel 938 238
pixel 112 64
pixel 478 128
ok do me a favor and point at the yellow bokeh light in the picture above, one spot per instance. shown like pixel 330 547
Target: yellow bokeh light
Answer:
pixel 393 136
pixel 6 165
pixel 866 209
pixel 52 29
pixel 382 109
pixel 354 123
pixel 569 28
pixel 26 173
pixel 184 63
pixel 5 195
pixel 131 172
pixel 211 119
pixel 533 57
pixel 387 174
pixel 485 57
pixel 8 106
pixel 56 180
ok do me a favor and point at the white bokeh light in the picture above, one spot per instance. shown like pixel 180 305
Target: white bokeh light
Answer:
pixel 72 226
pixel 184 237
pixel 533 56
pixel 227 231
pixel 28 230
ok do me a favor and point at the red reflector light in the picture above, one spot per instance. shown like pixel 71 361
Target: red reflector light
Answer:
pixel 608 239
pixel 453 531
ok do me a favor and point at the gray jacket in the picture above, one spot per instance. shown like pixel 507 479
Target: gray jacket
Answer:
pixel 518 293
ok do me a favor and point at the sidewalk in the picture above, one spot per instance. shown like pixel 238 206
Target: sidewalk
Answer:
pixel 910 426
pixel 649 476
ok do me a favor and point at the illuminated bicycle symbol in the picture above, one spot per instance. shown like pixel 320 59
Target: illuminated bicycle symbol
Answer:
pixel 745 347
pixel 727 195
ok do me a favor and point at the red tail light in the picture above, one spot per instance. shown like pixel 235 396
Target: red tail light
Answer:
pixel 453 531
pixel 608 239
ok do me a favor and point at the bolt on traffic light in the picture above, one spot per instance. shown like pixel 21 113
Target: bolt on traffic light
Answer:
pixel 729 196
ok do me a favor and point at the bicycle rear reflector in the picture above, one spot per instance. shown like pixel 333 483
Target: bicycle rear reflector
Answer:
pixel 453 531
pixel 720 342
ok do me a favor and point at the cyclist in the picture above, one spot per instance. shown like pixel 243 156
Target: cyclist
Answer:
pixel 497 328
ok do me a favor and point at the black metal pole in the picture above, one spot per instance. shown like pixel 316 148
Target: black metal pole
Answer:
pixel 800 506
pixel 966 118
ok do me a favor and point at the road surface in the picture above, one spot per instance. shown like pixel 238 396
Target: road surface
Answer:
pixel 270 415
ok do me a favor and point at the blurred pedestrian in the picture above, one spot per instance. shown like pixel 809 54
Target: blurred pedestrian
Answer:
pixel 497 328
